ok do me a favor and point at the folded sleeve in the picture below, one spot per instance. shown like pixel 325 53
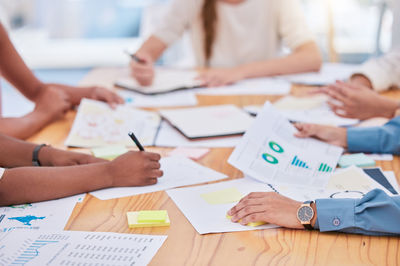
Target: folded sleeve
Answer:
pixel 177 19
pixel 293 28
pixel 384 139
pixel 375 214
pixel 383 72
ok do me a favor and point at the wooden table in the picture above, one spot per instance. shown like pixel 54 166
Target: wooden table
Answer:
pixel 184 246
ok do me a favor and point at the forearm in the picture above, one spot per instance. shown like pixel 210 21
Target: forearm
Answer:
pixel 23 127
pixel 33 184
pixel 307 58
pixel 153 47
pixel 13 68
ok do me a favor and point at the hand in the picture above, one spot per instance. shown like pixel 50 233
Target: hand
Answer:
pixel 332 135
pixel 76 94
pixel 52 104
pixel 135 169
pixel 361 80
pixel 267 207
pixel 220 76
pixel 49 156
pixel 357 101
pixel 143 72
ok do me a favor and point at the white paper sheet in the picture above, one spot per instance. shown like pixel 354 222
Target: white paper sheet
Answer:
pixel 97 125
pixel 184 98
pixel 165 80
pixel 209 121
pixel 312 109
pixel 178 171
pixel 329 73
pixel 47 215
pixel 77 248
pixel 266 86
pixel 381 157
pixel 170 137
pixel 271 153
pixel 207 218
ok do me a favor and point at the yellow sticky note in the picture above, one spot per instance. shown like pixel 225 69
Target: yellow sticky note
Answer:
pixel 109 152
pixel 229 195
pixel 254 224
pixel 133 220
pixel 152 216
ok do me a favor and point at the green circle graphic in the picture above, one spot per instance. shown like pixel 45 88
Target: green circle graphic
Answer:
pixel 269 158
pixel 276 147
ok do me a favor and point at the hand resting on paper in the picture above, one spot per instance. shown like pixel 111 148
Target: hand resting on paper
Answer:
pixel 332 135
pixel 268 207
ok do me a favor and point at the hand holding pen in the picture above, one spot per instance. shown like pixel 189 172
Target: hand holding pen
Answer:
pixel 142 68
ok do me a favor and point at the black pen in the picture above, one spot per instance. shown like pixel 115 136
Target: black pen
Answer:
pixel 136 58
pixel 133 137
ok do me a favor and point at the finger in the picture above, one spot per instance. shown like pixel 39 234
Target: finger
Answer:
pixel 243 203
pixel 248 210
pixel 152 156
pixel 253 217
pixel 156 173
pixel 151 181
pixel 154 165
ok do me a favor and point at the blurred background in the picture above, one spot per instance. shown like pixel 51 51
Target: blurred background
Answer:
pixel 89 33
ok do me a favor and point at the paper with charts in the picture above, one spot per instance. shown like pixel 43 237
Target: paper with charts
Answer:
pixel 178 172
pixel 270 152
pixel 77 248
pixel 97 125
pixel 47 215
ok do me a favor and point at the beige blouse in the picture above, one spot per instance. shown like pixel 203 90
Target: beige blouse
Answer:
pixel 253 30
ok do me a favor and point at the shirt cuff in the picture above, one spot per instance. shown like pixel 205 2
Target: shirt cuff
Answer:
pixel 379 79
pixel 335 214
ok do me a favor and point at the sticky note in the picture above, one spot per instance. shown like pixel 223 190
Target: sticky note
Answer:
pixel 109 152
pixel 358 159
pixel 254 224
pixel 192 153
pixel 152 216
pixel 225 196
pixel 148 219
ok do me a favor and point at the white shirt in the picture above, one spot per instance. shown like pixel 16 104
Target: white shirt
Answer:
pixel 383 72
pixel 247 32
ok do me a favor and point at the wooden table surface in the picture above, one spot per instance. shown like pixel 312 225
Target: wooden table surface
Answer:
pixel 184 246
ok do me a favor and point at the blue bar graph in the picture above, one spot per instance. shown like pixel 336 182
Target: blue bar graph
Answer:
pixel 297 162
pixel 31 252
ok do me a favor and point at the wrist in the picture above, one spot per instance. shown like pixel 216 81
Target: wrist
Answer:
pixel 45 156
pixel 389 108
pixel 109 172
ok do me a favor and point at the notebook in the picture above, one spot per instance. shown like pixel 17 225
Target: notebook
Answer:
pixel 209 121
pixel 165 81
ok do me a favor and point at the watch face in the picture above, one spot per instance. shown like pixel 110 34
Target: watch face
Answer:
pixel 305 213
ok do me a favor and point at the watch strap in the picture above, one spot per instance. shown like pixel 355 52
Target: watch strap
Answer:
pixel 35 155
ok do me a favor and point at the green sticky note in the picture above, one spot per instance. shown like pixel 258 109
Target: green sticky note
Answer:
pixel 109 152
pixel 358 159
pixel 152 216
pixel 225 196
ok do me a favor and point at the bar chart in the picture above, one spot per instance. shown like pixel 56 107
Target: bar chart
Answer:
pixel 32 251
pixel 299 163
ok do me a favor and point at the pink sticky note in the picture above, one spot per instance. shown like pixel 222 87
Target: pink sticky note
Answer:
pixel 192 153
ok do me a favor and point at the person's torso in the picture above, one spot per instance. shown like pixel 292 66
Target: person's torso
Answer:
pixel 245 33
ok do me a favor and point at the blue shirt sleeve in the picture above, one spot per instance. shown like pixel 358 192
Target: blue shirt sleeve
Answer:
pixel 384 139
pixel 375 214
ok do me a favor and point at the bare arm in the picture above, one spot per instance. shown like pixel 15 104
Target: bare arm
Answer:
pixel 13 68
pixel 306 58
pixel 73 173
